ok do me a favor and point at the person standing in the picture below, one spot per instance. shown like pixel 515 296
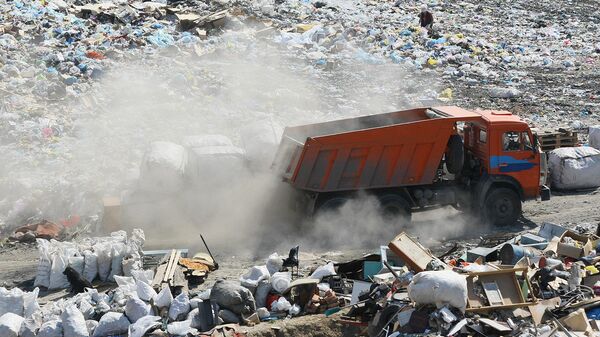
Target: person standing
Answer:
pixel 426 18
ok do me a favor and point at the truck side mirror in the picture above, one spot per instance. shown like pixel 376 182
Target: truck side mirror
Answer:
pixel 536 143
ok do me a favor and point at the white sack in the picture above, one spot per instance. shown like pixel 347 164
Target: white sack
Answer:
pixel 281 305
pixel 323 271
pixel 29 327
pixel 143 325
pixel 439 288
pixel 90 266
pixel 11 301
pixel 574 167
pixel 116 266
pixel 77 263
pixel 30 304
pixel 281 281
pixel 136 309
pixel 253 276
pixel 112 323
pixel 180 307
pixel 145 291
pixel 10 325
pixel 274 263
pixel 164 298
pixel 163 168
pixel 73 323
pixel 42 278
pixel 180 328
pixel 91 326
pixel 260 140
pixel 145 276
pixel 58 280
pixel 103 251
pixel 51 329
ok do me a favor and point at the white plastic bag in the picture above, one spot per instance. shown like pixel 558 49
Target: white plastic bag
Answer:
pixel 145 291
pixel 574 167
pixel 77 263
pixel 90 266
pixel 281 305
pixel 180 306
pixel 136 309
pixel 112 323
pixel 29 327
pixel 30 304
pixel 281 281
pixel 11 301
pixel 51 329
pixel 145 276
pixel 256 274
pixel 103 251
pixel 164 298
pixel 143 325
pixel 163 168
pixel 42 277
pixel 58 280
pixel 274 263
pixel 439 288
pixel 180 328
pixel 86 309
pixel 117 254
pixel 10 325
pixel 91 326
pixel 323 271
pixel 73 322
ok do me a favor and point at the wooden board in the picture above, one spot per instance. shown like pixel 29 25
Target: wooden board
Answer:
pixel 411 252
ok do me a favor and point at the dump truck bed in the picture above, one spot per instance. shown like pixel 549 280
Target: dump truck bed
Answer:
pixel 393 149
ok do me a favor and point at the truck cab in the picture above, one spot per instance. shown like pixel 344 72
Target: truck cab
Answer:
pixel 502 153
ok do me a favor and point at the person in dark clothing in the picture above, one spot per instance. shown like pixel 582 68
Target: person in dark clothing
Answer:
pixel 426 18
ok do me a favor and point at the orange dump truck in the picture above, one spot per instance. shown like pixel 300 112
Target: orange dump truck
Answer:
pixel 412 160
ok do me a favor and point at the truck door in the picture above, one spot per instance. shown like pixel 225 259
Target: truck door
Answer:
pixel 517 157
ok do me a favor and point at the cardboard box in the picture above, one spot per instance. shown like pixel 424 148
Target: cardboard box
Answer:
pixel 573 251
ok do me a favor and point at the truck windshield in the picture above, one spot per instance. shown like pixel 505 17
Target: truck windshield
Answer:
pixel 516 141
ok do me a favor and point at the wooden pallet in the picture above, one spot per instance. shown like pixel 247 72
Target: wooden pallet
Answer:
pixel 550 140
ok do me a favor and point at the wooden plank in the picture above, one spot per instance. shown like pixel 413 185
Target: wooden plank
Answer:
pixel 169 264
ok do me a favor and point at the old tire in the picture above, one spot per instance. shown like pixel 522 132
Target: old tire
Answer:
pixel 502 207
pixel 455 155
pixel 395 207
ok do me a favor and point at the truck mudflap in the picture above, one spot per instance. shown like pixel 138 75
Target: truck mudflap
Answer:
pixel 545 193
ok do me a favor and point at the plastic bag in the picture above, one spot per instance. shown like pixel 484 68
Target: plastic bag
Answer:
pixel 180 307
pixel 103 251
pixel 281 305
pixel 77 263
pixel 274 263
pixel 91 326
pixel 58 280
pixel 73 323
pixel 281 281
pixel 323 271
pixel 594 136
pixel 256 274
pixel 439 288
pixel 51 329
pixel 117 254
pixel 86 309
pixel 145 276
pixel 11 301
pixel 145 291
pixel 143 325
pixel 10 324
pixel 136 309
pixel 90 266
pixel 261 293
pixel 30 304
pixel 42 277
pixel 164 298
pixel 112 323
pixel 232 296
pixel 29 327
pixel 180 328
pixel 574 167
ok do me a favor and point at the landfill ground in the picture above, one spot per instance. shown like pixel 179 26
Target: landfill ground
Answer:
pixel 18 263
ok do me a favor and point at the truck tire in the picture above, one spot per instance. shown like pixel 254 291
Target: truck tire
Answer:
pixel 394 206
pixel 455 155
pixel 330 204
pixel 502 207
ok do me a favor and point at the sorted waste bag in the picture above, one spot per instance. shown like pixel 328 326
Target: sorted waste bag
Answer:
pixel 135 309
pixel 233 296
pixel 164 298
pixel 11 301
pixel 145 291
pixel 594 136
pixel 10 324
pixel 112 323
pixel 42 278
pixel 163 168
pixel 51 328
pixel 574 167
pixel 180 307
pixel 143 325
pixel 90 265
pixel 253 276
pixel 73 323
pixel 440 288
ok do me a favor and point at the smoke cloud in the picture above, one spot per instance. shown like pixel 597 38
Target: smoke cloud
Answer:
pixel 225 89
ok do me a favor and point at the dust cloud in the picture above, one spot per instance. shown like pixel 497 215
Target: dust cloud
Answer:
pixel 227 90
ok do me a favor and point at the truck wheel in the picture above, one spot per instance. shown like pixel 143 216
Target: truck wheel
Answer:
pixel 455 155
pixel 330 204
pixel 395 206
pixel 502 207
